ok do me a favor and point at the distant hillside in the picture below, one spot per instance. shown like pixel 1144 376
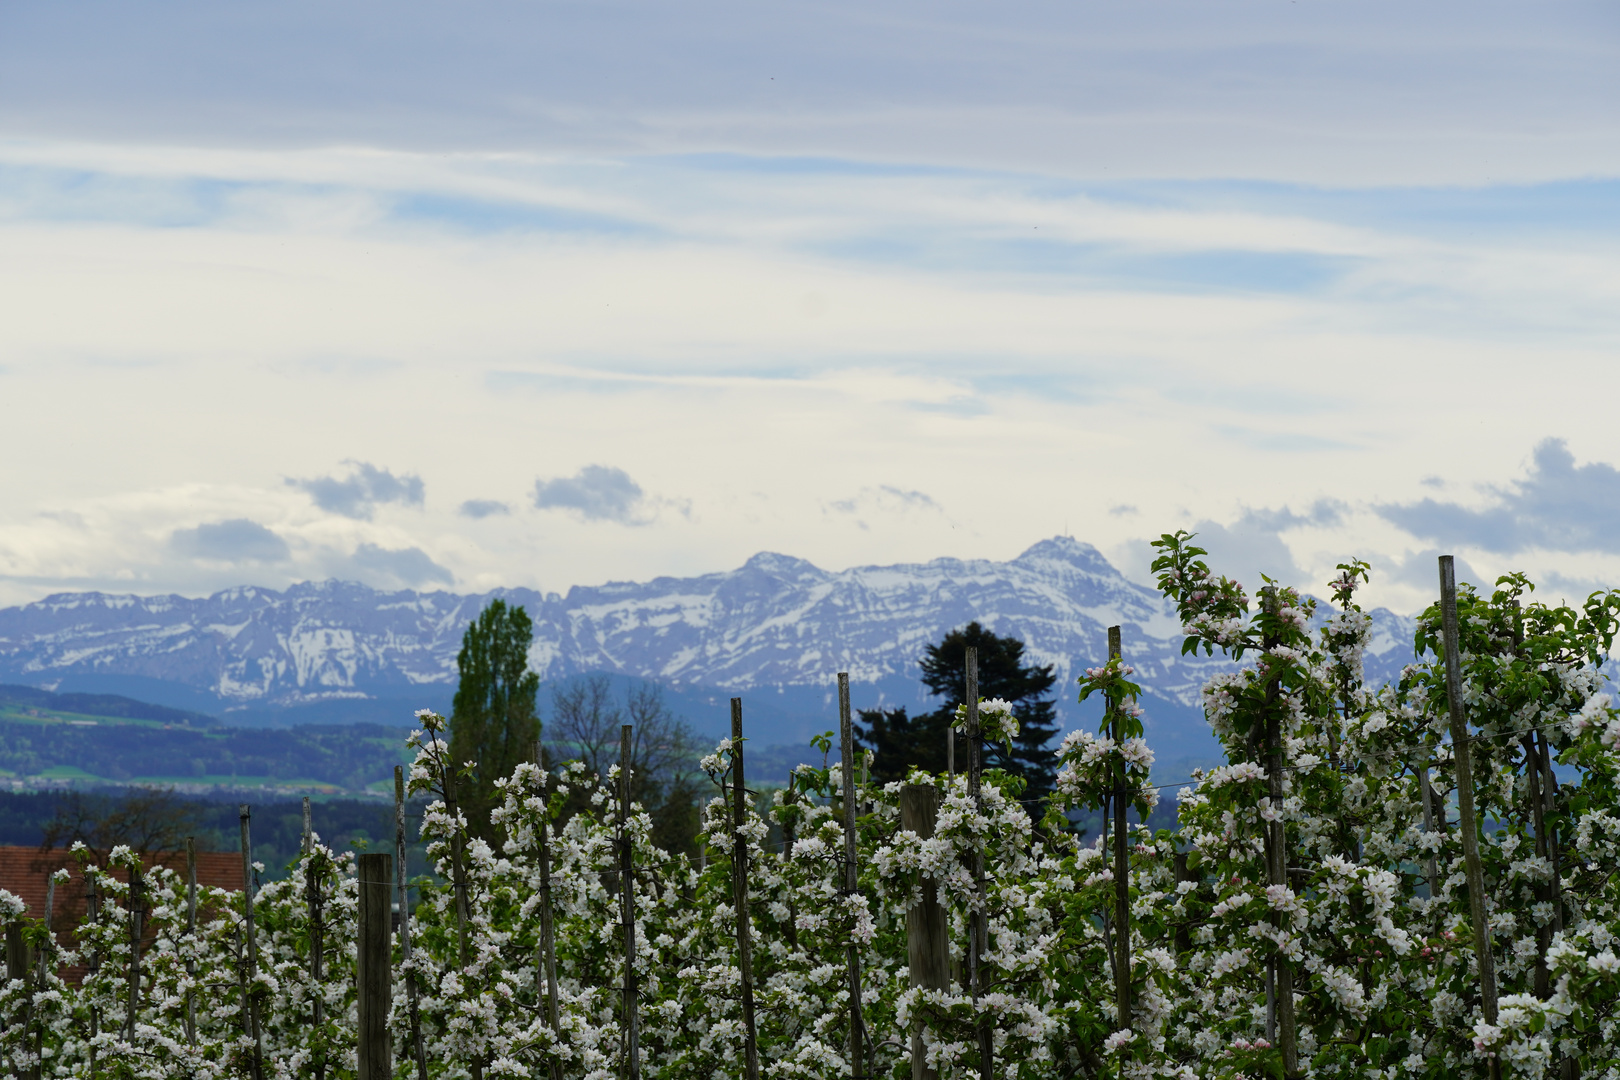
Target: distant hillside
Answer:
pixel 109 705
pixel 41 747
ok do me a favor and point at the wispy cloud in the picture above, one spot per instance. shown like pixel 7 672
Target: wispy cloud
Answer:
pixel 360 493
pixel 603 493
pixel 483 508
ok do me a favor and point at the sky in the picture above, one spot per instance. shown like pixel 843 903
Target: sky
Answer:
pixel 556 293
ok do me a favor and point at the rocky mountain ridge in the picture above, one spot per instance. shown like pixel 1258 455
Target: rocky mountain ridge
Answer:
pixel 776 625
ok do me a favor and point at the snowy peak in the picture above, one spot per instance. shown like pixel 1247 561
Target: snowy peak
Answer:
pixel 776 621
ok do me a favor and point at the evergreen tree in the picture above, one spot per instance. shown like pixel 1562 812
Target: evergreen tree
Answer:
pixel 1002 674
pixel 493 722
pixel 899 742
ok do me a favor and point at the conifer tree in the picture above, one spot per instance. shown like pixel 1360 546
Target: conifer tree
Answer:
pixel 493 720
pixel 1002 674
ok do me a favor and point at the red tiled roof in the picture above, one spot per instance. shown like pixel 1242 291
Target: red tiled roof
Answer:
pixel 26 872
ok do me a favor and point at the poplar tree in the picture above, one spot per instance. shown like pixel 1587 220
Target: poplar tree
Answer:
pixel 493 722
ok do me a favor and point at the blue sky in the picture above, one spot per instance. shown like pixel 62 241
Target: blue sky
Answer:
pixel 547 294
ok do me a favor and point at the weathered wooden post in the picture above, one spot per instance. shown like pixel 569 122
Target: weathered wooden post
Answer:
pixel 739 886
pixel 92 902
pixel 373 967
pixel 627 902
pixel 846 744
pixel 402 894
pixel 49 950
pixel 927 945
pixel 1466 823
pixel 191 937
pixel 548 938
pixel 1281 981
pixel 314 902
pixel 136 910
pixel 250 948
pixel 979 924
pixel 1122 858
pixel 44 963
pixel 17 968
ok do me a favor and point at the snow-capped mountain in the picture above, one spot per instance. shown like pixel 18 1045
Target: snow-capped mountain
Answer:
pixel 776 625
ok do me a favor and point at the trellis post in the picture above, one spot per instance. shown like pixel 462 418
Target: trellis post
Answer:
pixel 402 893
pixel 846 749
pixel 547 970
pixel 927 947
pixel 739 886
pixel 1281 981
pixel 627 899
pixel 317 933
pixel 979 924
pixel 1466 822
pixel 250 949
pixel 373 970
pixel 1122 858
pixel 136 910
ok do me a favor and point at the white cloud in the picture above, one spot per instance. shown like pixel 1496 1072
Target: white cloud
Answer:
pixel 778 307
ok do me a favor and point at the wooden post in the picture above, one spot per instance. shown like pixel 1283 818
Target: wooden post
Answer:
pixel 846 749
pixel 457 872
pixel 44 965
pixel 1549 791
pixel 17 969
pixel 927 948
pixel 314 903
pixel 979 924
pixel 1569 1068
pixel 373 967
pixel 548 939
pixel 1281 988
pixel 250 950
pixel 627 902
pixel 403 896
pixel 1466 823
pixel 191 937
pixel 136 910
pixel 49 950
pixel 1122 861
pixel 92 903
pixel 739 889
pixel 1430 869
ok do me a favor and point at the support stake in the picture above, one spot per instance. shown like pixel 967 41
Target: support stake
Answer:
pixel 627 900
pixel 846 750
pixel 739 888
pixel 979 937
pixel 403 895
pixel 1466 823
pixel 373 969
pixel 250 948
pixel 1122 862
pixel 927 947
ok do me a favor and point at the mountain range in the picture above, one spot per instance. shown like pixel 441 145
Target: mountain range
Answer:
pixel 776 631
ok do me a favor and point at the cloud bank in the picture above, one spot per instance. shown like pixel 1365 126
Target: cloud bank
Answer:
pixel 1559 506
